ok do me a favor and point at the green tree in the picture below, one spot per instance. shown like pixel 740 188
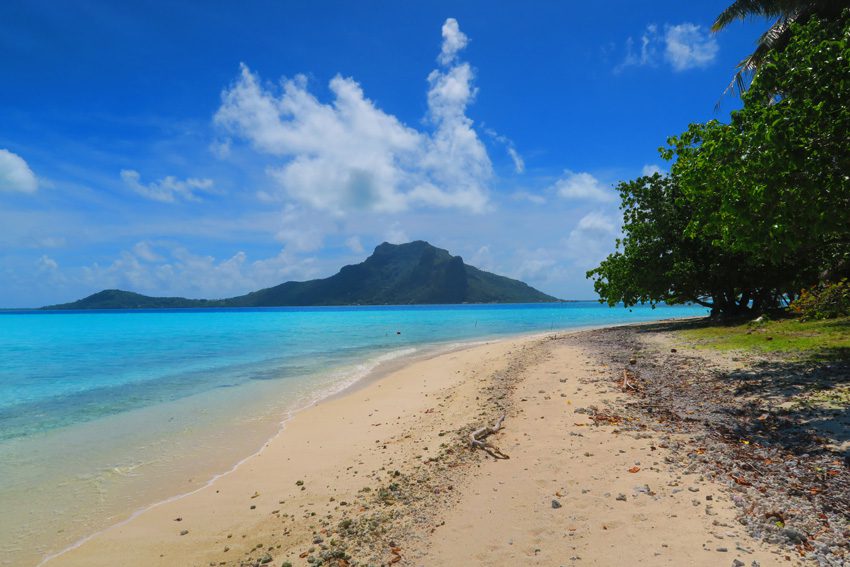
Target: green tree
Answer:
pixel 660 260
pixel 753 210
pixel 781 166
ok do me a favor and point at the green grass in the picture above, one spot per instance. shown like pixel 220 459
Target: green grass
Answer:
pixel 831 337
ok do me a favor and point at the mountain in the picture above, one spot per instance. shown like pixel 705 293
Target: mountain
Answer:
pixel 395 274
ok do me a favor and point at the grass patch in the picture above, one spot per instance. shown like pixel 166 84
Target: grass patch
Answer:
pixel 826 338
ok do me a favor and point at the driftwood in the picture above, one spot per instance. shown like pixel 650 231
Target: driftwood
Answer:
pixel 626 383
pixel 477 439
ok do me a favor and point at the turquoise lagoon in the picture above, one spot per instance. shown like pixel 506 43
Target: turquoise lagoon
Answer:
pixel 105 412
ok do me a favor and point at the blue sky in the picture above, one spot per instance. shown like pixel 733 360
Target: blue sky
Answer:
pixel 206 149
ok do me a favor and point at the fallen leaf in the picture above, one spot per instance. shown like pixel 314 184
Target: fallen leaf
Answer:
pixel 741 480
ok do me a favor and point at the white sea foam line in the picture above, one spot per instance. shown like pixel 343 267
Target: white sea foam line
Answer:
pixel 365 369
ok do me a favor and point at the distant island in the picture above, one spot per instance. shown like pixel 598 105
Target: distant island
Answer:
pixel 395 274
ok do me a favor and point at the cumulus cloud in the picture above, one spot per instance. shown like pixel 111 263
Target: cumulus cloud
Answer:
pixel 688 46
pixel 164 269
pixel 145 251
pixel 395 234
pixel 15 174
pixel 683 46
pixel 454 41
pixel 350 155
pixel 298 232
pixel 540 265
pixel 167 190
pixel 582 186
pixel 48 273
pixel 591 239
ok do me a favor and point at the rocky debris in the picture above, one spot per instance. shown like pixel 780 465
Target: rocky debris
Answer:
pixel 744 426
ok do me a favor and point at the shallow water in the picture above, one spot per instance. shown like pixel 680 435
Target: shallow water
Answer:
pixel 102 413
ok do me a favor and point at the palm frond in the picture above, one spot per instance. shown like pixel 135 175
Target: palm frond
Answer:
pixel 777 35
pixel 742 9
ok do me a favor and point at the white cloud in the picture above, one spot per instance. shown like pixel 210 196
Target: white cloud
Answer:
pixel 299 233
pixel 395 234
pixel 46 264
pixel 353 243
pixel 144 250
pixel 168 189
pixel 516 158
pixel 49 242
pixel 519 163
pixel 15 174
pixel 540 265
pixel 454 41
pixel 483 259
pixel 48 273
pixel 651 169
pixel 689 46
pixel 163 269
pixel 591 239
pixel 350 155
pixel 582 186
pixel 528 196
pixel 647 56
pixel 684 46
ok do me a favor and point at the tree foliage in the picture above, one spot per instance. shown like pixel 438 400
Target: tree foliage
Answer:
pixel 755 209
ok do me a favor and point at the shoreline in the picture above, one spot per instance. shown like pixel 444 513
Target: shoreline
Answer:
pixel 371 380
pixel 380 370
pixel 384 489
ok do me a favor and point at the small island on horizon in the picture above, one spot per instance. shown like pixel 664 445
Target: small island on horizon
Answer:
pixel 395 274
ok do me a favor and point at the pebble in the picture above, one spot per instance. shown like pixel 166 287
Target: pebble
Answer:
pixel 621 497
pixel 556 504
pixel 184 532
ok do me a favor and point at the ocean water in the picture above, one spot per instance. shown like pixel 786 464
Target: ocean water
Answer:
pixel 105 412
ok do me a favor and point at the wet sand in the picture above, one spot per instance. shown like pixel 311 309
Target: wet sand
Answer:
pixel 384 475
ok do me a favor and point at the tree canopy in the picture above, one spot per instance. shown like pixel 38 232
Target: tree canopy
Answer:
pixel 755 209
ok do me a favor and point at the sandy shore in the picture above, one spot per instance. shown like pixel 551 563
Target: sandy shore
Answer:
pixel 382 475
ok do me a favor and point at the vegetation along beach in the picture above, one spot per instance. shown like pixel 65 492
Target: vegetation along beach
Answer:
pixel 425 284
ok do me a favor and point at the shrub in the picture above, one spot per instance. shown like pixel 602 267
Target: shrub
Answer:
pixel 824 302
